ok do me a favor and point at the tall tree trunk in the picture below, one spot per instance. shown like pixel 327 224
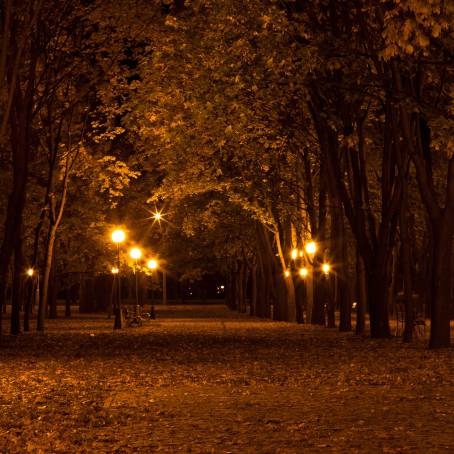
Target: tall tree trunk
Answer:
pixel 377 285
pixel 440 313
pixel 254 289
pixel 318 309
pixel 44 297
pixel 361 295
pixel 16 298
pixel 343 291
pixel 28 302
pixel 406 268
pixel 299 300
pixel 68 299
pixel 52 292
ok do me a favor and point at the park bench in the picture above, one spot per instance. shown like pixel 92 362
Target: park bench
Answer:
pixel 136 316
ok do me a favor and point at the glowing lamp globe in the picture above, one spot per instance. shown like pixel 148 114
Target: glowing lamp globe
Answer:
pixel 304 272
pixel 118 236
pixel 294 254
pixel 152 264
pixel 311 247
pixel 30 272
pixel 287 273
pixel 114 270
pixel 325 268
pixel 135 253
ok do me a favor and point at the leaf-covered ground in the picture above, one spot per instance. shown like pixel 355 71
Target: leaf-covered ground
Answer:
pixel 203 379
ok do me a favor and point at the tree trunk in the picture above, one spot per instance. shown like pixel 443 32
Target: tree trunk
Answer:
pixel 16 297
pixel 361 295
pixel 44 300
pixel 406 268
pixel 68 302
pixel 330 302
pixel 343 291
pixel 440 313
pixel 28 302
pixel 253 290
pixel 164 287
pixel 299 300
pixel 377 285
pixel 318 309
pixel 52 292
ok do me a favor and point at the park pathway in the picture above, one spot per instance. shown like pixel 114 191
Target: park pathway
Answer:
pixel 202 379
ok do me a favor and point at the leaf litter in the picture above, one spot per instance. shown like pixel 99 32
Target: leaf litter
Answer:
pixel 204 379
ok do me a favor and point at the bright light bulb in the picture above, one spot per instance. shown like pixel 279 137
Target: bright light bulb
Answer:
pixel 135 253
pixel 294 254
pixel 287 273
pixel 157 216
pixel 325 268
pixel 152 264
pixel 115 270
pixel 311 247
pixel 304 272
pixel 30 272
pixel 118 236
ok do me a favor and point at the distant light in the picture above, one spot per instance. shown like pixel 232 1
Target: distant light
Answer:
pixel 118 236
pixel 294 254
pixel 135 253
pixel 326 267
pixel 354 304
pixel 311 247
pixel 157 216
pixel 152 264
pixel 30 272
pixel 222 287
pixel 287 273
pixel 301 253
pixel 114 270
pixel 304 272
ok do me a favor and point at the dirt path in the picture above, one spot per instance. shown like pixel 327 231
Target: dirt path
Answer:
pixel 202 379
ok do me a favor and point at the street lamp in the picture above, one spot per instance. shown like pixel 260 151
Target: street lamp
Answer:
pixel 304 272
pixel 326 268
pixel 118 236
pixel 152 265
pixel 311 248
pixel 30 272
pixel 294 254
pixel 135 253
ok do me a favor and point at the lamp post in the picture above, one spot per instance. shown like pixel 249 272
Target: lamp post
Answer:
pixel 118 236
pixel 135 253
pixel 311 249
pixel 33 294
pixel 326 267
pixel 152 265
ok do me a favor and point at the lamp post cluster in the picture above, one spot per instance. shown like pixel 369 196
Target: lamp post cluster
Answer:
pixel 135 253
pixel 304 266
pixel 303 271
